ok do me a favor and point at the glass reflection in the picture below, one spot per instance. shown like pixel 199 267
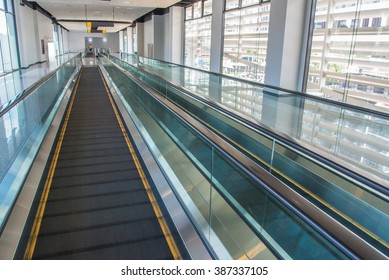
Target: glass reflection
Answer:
pixel 13 84
pixel 360 139
pixel 349 58
pixel 8 43
pixel 334 192
pixel 245 39
pixel 22 129
pixel 198 35
pixel 209 180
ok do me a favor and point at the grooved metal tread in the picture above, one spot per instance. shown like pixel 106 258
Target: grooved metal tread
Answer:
pixel 97 207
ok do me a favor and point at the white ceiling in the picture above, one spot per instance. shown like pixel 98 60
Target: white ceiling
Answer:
pixel 69 12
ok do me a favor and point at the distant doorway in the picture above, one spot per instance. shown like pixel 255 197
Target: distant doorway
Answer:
pixel 51 50
pixel 96 42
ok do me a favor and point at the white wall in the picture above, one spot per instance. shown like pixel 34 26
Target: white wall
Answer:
pixel 177 27
pixel 165 33
pixel 77 41
pixel 27 35
pixel 159 36
pixel 139 34
pixel 121 43
pixel 148 37
pixel 32 27
pixel 65 35
pixel 129 40
pixel 45 33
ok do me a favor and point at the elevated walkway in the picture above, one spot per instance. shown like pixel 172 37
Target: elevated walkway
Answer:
pixel 141 164
pixel 96 202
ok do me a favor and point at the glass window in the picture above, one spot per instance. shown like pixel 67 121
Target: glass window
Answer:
pixel 245 41
pixel 61 44
pixel 1 66
pixel 348 65
pixel 4 43
pixel 197 9
pixel 56 42
pixel 198 36
pixel 207 7
pixel 188 12
pixel 10 7
pixel 60 35
pixel 365 22
pixel 125 42
pixel 8 41
pixel 354 23
pixel 232 4
pixel 249 2
pixel 134 40
pixel 198 42
pixel 12 42
pixel 376 22
pixel 1 35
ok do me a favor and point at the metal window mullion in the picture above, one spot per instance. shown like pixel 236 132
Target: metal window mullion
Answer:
pixel 309 46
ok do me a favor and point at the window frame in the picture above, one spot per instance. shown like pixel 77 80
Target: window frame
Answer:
pixel 361 21
pixel 258 51
pixel 14 54
pixel 202 16
pixel 240 6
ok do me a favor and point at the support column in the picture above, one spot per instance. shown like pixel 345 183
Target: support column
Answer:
pixel 129 40
pixel 285 64
pixel 286 49
pixel 159 36
pixel 217 36
pixel 177 27
pixel 121 43
pixel 140 37
pixel 37 38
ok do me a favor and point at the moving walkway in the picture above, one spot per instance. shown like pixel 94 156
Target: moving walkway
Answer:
pixel 216 186
pixel 94 199
pixel 357 203
pixel 231 203
pixel 96 202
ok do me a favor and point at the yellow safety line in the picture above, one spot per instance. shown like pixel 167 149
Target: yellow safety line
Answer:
pixel 162 222
pixel 46 189
pixel 347 218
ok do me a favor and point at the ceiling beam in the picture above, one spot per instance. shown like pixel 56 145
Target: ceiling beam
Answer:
pixel 37 7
